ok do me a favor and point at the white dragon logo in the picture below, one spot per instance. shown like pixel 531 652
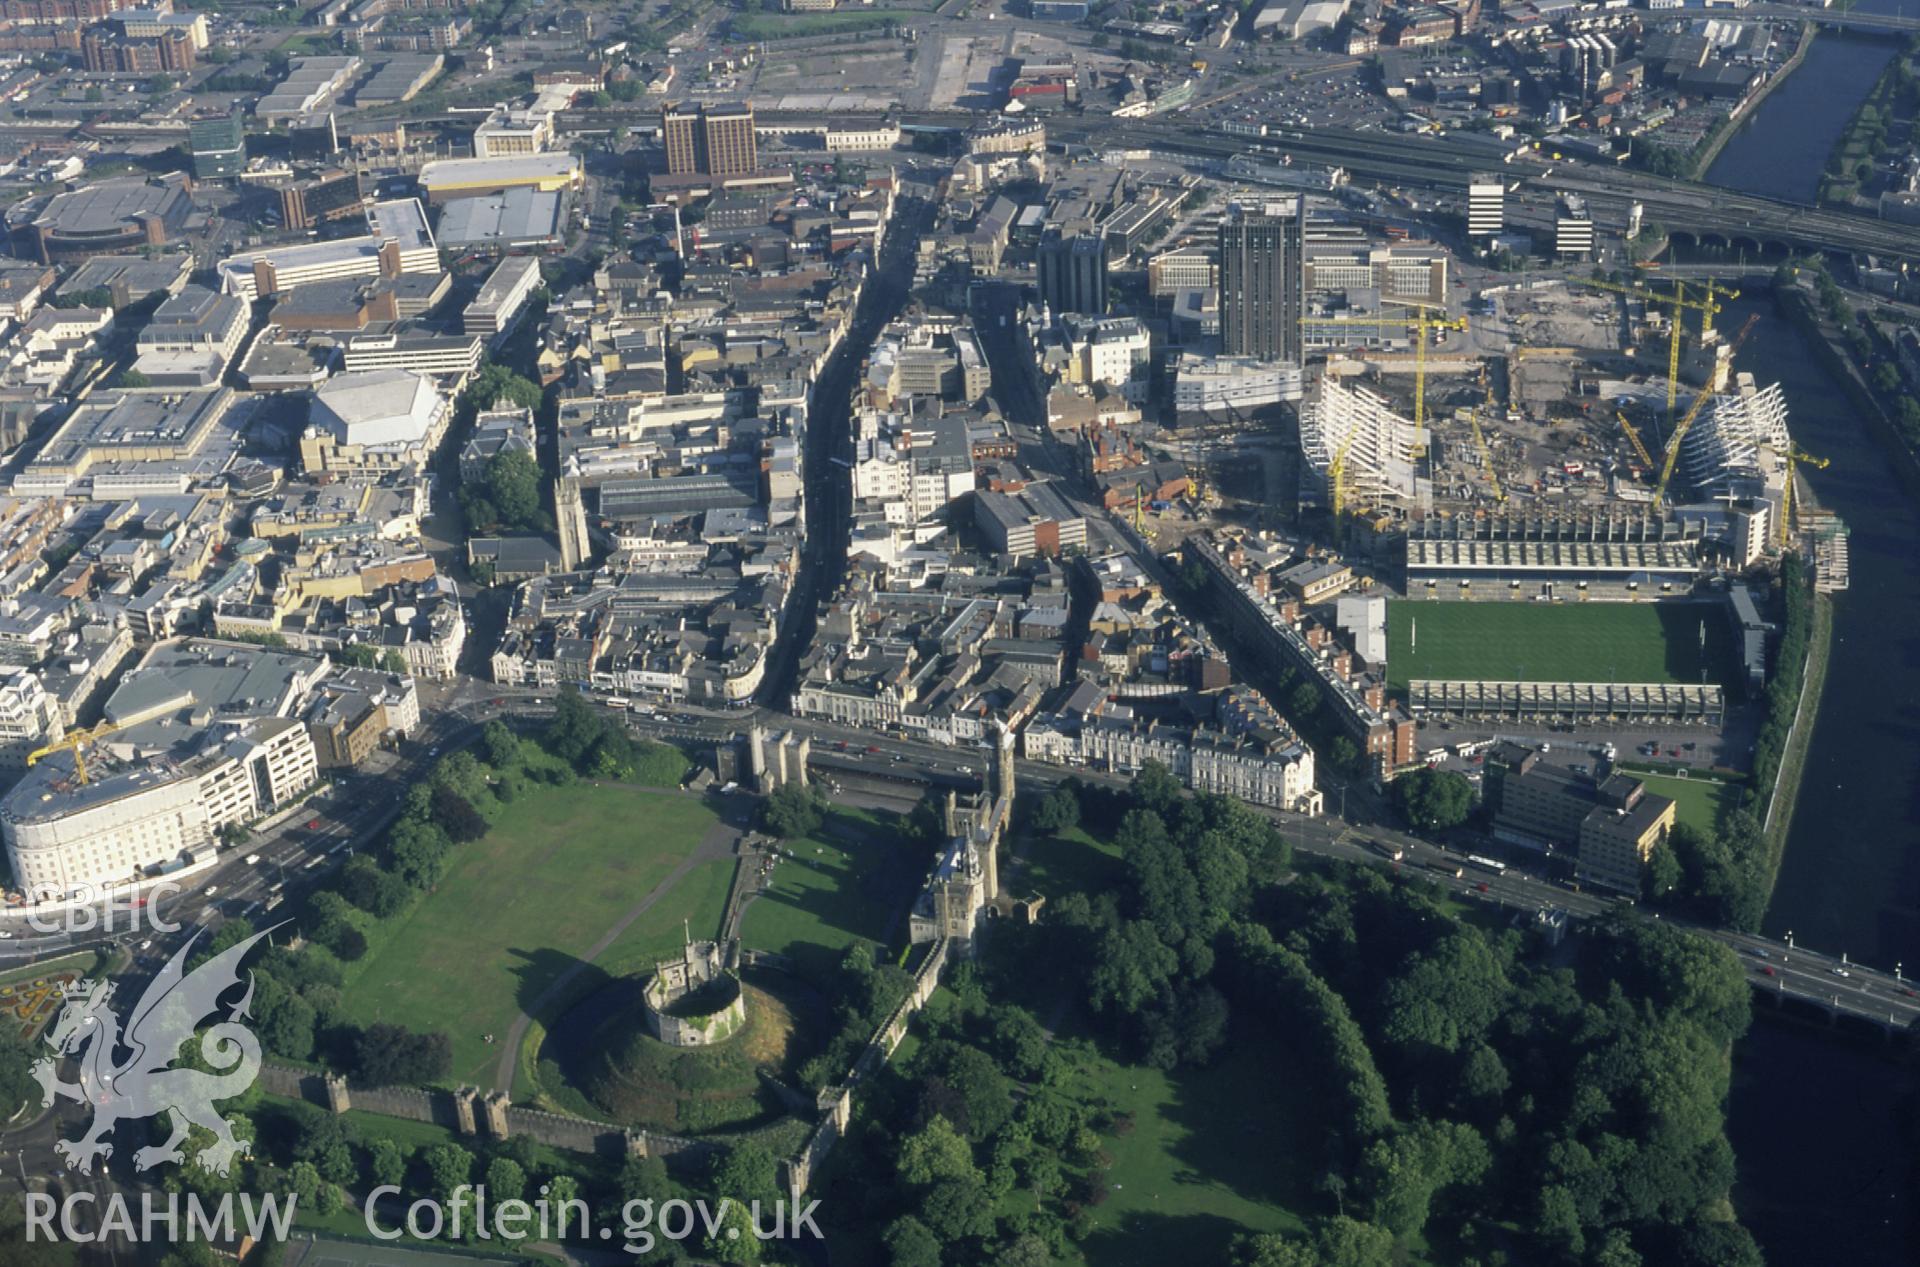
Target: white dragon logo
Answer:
pixel 145 1085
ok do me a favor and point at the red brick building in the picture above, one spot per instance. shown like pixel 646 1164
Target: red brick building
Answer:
pixel 108 53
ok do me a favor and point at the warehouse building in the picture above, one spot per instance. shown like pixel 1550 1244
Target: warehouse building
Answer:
pixel 312 83
pixel 520 219
pixel 399 79
pixel 446 179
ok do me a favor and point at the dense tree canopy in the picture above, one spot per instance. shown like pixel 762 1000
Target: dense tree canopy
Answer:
pixel 389 1055
pixel 1469 1089
pixel 588 740
pixel 1433 800
pixel 508 497
pixel 791 811
pixel 495 386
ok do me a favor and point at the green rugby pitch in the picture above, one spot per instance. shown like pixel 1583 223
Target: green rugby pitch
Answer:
pixel 1558 642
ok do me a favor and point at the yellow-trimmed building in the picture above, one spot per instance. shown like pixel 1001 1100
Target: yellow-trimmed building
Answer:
pixel 449 178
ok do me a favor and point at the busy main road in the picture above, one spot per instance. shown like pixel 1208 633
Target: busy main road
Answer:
pixel 1821 978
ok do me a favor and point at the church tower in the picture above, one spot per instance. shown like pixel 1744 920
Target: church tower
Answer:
pixel 570 518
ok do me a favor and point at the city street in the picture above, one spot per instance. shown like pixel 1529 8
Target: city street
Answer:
pixel 1797 972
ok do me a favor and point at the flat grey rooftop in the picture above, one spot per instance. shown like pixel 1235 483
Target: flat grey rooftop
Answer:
pixel 521 214
pixel 183 687
pixel 106 206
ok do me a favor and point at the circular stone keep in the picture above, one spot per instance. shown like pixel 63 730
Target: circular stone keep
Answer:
pixel 694 1001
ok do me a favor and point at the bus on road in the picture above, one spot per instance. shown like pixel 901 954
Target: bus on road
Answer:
pixel 1486 864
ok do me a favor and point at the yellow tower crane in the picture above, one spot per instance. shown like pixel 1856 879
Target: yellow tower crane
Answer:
pixel 1678 303
pixel 1337 481
pixel 1633 438
pixel 72 742
pixel 1423 321
pixel 1693 411
pixel 1795 459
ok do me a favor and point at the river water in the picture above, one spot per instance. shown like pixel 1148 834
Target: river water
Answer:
pixel 1819 1121
pixel 1782 148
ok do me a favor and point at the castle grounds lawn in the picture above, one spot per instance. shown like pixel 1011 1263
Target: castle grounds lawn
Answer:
pixel 1557 642
pixel 1235 1147
pixel 849 881
pixel 693 907
pixel 1069 862
pixel 559 869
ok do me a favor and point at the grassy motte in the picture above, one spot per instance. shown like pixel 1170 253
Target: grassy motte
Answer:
pixel 617 1069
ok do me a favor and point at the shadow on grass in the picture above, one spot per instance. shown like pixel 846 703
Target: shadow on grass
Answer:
pixel 1698 637
pixel 1071 862
pixel 1145 1239
pixel 576 1036
pixel 822 900
pixel 1254 1124
pixel 535 972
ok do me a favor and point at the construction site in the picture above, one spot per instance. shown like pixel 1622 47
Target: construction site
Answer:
pixel 1572 491
pixel 1582 401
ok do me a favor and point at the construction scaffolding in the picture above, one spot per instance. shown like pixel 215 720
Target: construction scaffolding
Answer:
pixel 1355 450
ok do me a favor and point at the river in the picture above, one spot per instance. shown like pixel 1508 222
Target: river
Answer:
pixel 1827 1167
pixel 1820 1123
pixel 1782 148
